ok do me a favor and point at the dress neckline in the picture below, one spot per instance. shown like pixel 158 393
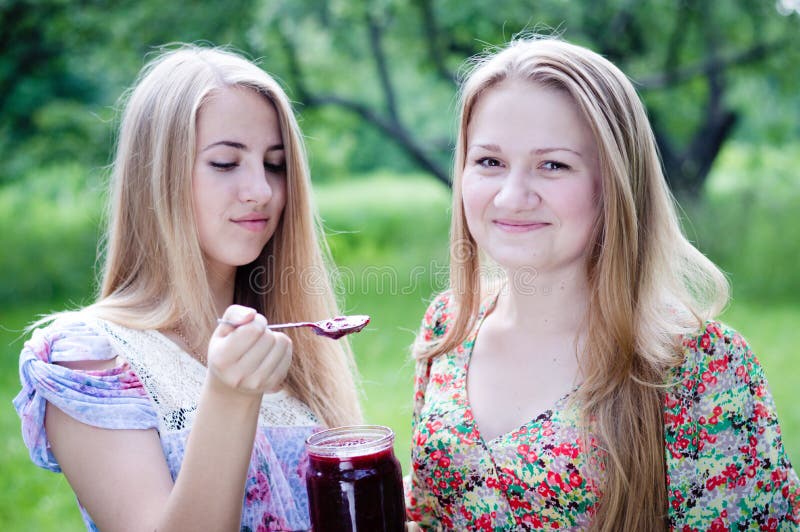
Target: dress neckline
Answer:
pixel 554 409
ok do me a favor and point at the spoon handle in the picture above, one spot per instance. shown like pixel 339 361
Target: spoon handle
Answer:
pixel 273 326
pixel 290 325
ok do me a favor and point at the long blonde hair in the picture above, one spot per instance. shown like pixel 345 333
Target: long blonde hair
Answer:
pixel 154 274
pixel 648 284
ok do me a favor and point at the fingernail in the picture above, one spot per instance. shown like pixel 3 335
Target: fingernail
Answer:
pixel 240 313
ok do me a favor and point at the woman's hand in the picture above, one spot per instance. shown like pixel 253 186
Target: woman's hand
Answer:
pixel 245 356
pixel 245 360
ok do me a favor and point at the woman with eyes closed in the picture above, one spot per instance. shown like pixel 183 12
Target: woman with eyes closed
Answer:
pixel 591 388
pixel 159 417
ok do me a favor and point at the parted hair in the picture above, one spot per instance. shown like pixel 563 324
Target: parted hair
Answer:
pixel 154 275
pixel 648 284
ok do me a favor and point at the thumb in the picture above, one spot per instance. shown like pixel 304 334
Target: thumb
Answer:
pixel 234 316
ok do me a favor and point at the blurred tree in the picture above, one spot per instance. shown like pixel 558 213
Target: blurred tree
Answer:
pixel 375 79
pixel 394 65
pixel 35 69
pixel 65 62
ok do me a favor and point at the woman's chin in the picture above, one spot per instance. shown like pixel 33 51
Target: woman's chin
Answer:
pixel 248 259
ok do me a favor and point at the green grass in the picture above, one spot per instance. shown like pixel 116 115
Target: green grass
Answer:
pixel 30 498
pixel 773 334
pixel 56 208
pixel 749 221
pixel 389 237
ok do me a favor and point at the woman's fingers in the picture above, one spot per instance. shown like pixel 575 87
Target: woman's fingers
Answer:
pixel 273 369
pixel 234 317
pixel 247 356
pixel 226 350
pixel 261 351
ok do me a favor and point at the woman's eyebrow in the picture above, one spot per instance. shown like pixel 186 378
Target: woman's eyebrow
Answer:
pixel 488 147
pixel 232 144
pixel 240 146
pixel 542 151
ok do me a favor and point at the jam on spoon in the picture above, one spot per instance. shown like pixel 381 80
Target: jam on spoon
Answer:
pixel 333 328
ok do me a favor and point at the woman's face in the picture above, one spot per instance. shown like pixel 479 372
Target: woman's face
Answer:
pixel 531 180
pixel 239 178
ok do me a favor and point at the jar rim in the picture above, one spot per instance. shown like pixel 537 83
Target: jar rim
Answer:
pixel 360 440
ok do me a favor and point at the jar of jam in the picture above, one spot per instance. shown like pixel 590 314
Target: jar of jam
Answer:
pixel 354 481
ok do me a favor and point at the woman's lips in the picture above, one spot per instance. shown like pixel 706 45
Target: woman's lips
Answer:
pixel 516 226
pixel 252 223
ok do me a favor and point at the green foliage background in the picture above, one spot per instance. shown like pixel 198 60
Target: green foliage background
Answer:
pixel 65 63
pixel 386 227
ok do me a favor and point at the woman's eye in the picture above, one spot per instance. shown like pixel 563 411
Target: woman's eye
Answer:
pixel 554 165
pixel 223 166
pixel 275 168
pixel 488 162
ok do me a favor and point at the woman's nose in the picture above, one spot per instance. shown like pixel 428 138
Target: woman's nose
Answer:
pixel 517 192
pixel 255 187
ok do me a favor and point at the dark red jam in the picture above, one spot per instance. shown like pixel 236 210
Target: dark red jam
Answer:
pixel 339 326
pixel 354 481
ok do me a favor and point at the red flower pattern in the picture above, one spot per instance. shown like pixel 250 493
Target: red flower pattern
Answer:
pixel 722 446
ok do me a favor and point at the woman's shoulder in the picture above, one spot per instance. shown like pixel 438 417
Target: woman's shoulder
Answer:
pixel 441 313
pixel 718 365
pixel 711 331
pixel 723 437
pixel 438 316
pixel 716 348
pixel 70 363
pixel 69 337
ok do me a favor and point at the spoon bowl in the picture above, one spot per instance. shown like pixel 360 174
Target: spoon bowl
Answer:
pixel 333 328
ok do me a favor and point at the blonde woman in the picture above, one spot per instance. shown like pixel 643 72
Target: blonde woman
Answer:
pixel 160 418
pixel 592 389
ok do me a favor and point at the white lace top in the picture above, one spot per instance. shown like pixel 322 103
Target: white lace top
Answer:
pixel 157 387
pixel 173 379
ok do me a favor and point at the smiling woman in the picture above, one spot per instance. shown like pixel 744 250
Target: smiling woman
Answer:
pixel 531 179
pixel 160 417
pixel 239 181
pixel 600 393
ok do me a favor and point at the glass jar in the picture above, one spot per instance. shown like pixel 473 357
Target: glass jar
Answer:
pixel 354 480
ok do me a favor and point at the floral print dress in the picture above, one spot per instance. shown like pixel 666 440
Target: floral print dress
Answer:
pixel 157 387
pixel 726 466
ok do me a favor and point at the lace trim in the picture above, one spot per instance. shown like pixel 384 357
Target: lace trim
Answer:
pixel 173 379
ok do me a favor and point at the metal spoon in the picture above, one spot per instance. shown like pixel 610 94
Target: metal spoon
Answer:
pixel 332 328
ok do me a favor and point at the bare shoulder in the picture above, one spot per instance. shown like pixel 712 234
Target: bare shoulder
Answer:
pixel 93 365
pixel 120 476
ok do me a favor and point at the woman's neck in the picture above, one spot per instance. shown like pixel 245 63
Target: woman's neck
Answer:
pixel 222 284
pixel 547 305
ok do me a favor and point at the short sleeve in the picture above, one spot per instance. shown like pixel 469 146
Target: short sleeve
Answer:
pixel 434 326
pixel 109 399
pixel 437 319
pixel 726 464
pixel 435 322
